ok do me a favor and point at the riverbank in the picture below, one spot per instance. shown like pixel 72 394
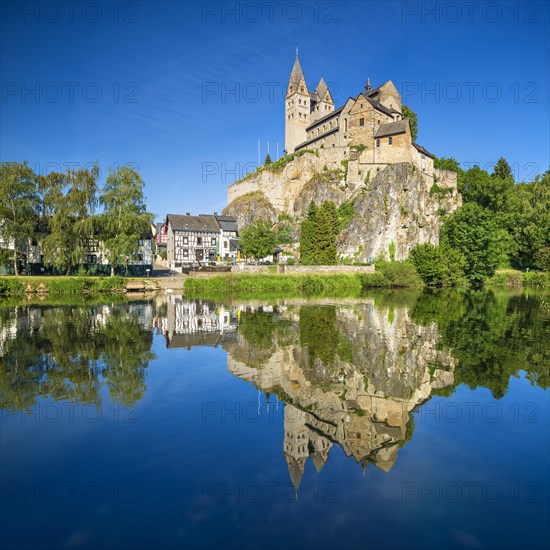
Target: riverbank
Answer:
pixel 71 285
pixel 512 278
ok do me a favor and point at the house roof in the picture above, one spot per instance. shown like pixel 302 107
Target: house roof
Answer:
pixel 392 128
pixel 227 223
pixel 423 151
pixel 193 223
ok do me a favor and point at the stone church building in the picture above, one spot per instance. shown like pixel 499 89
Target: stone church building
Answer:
pixel 372 120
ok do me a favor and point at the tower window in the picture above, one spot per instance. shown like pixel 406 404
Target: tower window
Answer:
pixel 390 140
pixel 361 122
pixel 377 143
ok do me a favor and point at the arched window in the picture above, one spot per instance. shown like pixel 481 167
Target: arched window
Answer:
pixel 361 122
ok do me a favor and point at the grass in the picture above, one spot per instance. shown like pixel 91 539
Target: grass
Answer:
pixel 513 278
pixel 59 285
pixel 391 275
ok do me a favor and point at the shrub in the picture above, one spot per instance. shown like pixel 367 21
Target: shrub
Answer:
pixel 10 287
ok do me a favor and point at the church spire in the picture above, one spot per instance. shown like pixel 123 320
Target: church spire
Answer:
pixel 368 87
pixel 297 74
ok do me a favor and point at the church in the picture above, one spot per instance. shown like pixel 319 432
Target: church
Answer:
pixel 371 122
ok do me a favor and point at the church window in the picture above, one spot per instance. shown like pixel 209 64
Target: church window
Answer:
pixel 390 140
pixel 345 125
pixel 361 105
pixel 361 122
pixel 377 143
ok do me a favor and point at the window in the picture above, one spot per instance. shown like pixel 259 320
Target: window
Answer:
pixel 185 252
pixel 361 122
pixel 91 259
pixel 378 122
pixel 185 240
pixel 377 143
pixel 199 241
pixel 390 140
pixel 213 241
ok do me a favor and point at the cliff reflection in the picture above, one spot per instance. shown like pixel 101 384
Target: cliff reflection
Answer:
pixel 350 375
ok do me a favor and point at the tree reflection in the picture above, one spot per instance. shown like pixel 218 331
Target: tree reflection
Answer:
pixel 71 353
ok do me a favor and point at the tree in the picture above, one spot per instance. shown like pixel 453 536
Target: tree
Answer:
pixel 474 232
pixel 258 240
pixel 312 211
pixel 438 265
pixel 69 215
pixel 413 120
pixel 124 220
pixel 490 192
pixel 502 170
pixel 267 160
pixel 19 206
pixel 307 242
pixel 327 228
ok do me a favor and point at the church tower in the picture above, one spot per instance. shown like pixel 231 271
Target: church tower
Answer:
pixel 297 108
pixel 323 104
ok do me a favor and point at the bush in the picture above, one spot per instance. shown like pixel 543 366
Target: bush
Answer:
pixel 400 274
pixel 438 265
pixel 536 278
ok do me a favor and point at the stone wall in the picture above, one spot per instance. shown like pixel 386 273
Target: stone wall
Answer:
pixel 303 269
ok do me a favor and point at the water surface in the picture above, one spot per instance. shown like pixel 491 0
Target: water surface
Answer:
pixel 415 420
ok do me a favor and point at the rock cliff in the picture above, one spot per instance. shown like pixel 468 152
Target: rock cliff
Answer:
pixel 397 206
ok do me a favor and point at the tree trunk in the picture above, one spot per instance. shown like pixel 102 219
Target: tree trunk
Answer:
pixel 112 270
pixel 15 267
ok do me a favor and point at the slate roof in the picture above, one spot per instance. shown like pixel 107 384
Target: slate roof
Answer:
pixel 320 136
pixel 296 74
pixel 422 150
pixel 193 223
pixel 322 88
pixel 325 118
pixel 392 128
pixel 227 223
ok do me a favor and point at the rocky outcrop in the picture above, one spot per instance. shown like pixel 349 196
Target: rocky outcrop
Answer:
pixel 249 208
pixel 397 206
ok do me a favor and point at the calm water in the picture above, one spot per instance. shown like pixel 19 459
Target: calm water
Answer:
pixel 399 420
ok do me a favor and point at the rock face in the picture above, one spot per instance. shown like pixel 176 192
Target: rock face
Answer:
pixel 397 206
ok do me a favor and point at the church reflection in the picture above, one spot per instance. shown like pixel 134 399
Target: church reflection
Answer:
pixel 350 375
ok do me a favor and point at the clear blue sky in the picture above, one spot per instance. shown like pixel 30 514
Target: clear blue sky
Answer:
pixel 165 72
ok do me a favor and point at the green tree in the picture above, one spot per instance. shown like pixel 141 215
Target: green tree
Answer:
pixel 307 242
pixel 413 120
pixel 267 160
pixel 327 228
pixel 312 211
pixel 124 220
pixel 258 240
pixel 438 265
pixel 346 211
pixel 474 232
pixel 19 206
pixel 528 223
pixel 487 191
pixel 502 170
pixel 70 215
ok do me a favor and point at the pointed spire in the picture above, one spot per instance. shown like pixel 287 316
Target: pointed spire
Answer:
pixel 297 78
pixel 368 87
pixel 321 89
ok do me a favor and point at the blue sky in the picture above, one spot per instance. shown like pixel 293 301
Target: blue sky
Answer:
pixel 185 90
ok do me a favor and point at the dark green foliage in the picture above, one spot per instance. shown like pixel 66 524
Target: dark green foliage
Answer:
pixel 413 120
pixel 267 160
pixel 258 240
pixel 438 265
pixel 502 170
pixel 474 232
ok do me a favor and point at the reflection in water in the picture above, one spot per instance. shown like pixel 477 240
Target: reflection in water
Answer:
pixel 350 374
pixel 71 353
